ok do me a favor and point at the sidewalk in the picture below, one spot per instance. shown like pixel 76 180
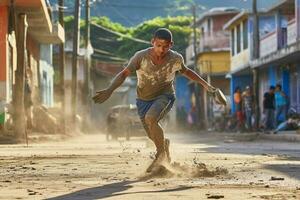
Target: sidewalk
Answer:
pixel 284 136
pixel 287 136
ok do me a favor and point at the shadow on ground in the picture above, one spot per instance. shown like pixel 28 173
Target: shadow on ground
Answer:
pixel 110 190
pixel 291 170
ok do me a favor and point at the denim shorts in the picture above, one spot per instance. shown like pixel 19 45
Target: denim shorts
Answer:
pixel 157 107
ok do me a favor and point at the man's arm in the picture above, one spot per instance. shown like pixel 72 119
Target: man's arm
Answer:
pixel 103 95
pixel 190 74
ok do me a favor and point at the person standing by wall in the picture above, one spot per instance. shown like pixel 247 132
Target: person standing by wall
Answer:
pixel 248 107
pixel 238 108
pixel 269 109
pixel 281 105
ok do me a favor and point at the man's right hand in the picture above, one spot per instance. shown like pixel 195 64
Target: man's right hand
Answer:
pixel 102 96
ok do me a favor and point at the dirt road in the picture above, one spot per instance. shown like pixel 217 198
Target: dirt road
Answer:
pixel 204 167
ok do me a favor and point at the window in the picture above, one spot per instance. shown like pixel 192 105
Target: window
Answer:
pixel 245 34
pixel 238 39
pixel 232 42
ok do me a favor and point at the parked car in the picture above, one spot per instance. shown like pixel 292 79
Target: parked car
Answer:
pixel 123 121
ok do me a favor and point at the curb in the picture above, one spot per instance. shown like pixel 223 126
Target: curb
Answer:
pixel 287 137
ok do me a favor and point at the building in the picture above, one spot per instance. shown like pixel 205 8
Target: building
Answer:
pixel 41 34
pixel 240 73
pixel 213 53
pixel 279 52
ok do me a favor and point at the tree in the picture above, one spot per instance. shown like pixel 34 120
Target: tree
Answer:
pixel 120 42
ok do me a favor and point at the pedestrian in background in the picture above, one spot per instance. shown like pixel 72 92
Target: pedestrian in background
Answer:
pixel 238 108
pixel 269 109
pixel 248 107
pixel 281 105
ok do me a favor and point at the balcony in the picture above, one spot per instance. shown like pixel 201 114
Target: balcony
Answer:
pixel 268 44
pixel 56 36
pixel 240 61
pixel 215 41
pixel 291 32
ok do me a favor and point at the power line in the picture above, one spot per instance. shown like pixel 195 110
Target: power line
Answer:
pixel 121 15
pixel 109 57
pixel 121 35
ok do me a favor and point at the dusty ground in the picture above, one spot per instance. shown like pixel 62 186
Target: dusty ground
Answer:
pixel 205 167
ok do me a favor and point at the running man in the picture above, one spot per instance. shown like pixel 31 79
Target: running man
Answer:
pixel 155 67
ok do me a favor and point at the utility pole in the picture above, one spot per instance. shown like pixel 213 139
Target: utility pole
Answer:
pixel 18 97
pixel 87 54
pixel 255 54
pixel 74 60
pixel 62 69
pixel 196 87
pixel 87 74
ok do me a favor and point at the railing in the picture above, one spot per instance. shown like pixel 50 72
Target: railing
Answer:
pixel 240 60
pixel 291 32
pixel 215 40
pixel 268 44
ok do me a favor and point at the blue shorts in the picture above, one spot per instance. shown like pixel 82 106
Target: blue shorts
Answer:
pixel 157 107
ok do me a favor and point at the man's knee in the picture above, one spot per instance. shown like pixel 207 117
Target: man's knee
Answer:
pixel 150 120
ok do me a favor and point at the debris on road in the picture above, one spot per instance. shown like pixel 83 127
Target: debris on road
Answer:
pixel 273 178
pixel 215 196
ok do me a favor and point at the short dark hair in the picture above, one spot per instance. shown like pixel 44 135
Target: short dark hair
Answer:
pixel 279 86
pixel 272 87
pixel 164 34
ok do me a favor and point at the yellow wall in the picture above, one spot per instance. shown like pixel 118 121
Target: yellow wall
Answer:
pixel 214 62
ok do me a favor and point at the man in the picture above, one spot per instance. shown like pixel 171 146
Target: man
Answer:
pixel 248 107
pixel 238 101
pixel 269 108
pixel 281 105
pixel 155 68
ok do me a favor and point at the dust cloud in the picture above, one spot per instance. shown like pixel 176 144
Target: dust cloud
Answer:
pixel 177 170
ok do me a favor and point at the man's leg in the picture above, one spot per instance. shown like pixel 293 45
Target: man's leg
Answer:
pixel 158 109
pixel 151 137
pixel 155 133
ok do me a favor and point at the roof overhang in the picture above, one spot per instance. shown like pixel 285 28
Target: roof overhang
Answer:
pixel 242 70
pixel 38 17
pixel 283 6
pixel 39 22
pixel 217 12
pixel 236 20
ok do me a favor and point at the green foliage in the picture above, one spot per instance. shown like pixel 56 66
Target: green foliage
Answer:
pixel 107 23
pixel 124 47
pixel 179 26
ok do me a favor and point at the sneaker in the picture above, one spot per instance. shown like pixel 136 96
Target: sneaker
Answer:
pixel 167 146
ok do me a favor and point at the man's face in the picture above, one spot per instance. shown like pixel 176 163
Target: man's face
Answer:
pixel 160 46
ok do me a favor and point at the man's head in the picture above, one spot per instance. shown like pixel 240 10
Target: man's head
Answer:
pixel 272 89
pixel 248 89
pixel 162 41
pixel 278 87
